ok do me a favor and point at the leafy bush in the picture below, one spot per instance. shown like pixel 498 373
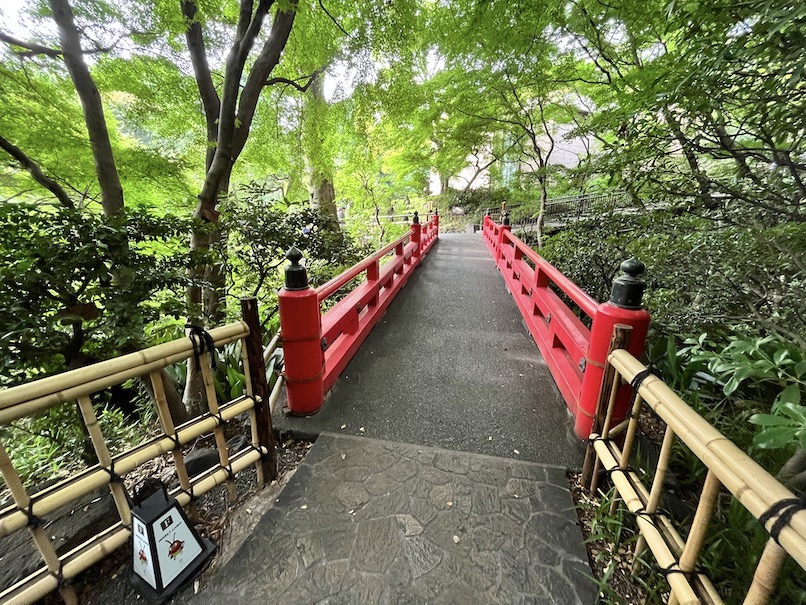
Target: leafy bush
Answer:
pixel 76 287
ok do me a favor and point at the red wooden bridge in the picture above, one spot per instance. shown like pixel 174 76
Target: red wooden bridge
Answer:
pixel 572 331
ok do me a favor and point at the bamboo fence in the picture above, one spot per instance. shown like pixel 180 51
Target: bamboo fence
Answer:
pixel 727 465
pixel 79 385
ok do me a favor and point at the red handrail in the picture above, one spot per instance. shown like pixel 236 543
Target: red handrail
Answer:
pixel 316 346
pixel 574 353
pixel 587 303
pixel 327 289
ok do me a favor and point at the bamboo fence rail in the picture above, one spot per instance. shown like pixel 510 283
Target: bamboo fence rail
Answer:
pixel 727 465
pixel 79 385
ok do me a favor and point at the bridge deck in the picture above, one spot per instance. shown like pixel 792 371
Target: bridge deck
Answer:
pixel 451 365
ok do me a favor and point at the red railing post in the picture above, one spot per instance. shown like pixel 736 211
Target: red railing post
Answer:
pixel 416 231
pixel 505 226
pixel 436 222
pixel 301 327
pixel 624 307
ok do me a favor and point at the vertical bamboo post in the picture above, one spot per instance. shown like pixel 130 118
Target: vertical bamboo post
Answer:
pixel 167 423
pixel 218 431
pixel 705 509
pixel 105 459
pixel 629 440
pixel 766 576
pixel 611 406
pixel 619 340
pixel 260 389
pixel 657 487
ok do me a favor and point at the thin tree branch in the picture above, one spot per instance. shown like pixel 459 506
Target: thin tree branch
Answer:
pixel 31 48
pixel 295 83
pixel 36 173
pixel 332 18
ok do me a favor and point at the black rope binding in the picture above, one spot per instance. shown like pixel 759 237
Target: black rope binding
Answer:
pixel 652 369
pixel 203 342
pixel 113 476
pixel 783 509
pixel 33 520
pixel 689 575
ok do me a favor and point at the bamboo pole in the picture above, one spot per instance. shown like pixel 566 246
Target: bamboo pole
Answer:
pixel 699 527
pixel 626 452
pixel 38 584
pixel 91 379
pixel 654 538
pixel 657 486
pixel 66 491
pixel 38 535
pixel 766 575
pixel 276 392
pixel 272 347
pixel 615 385
pixel 164 414
pixel 754 487
pixel 705 588
pixel 619 339
pixel 253 429
pixel 218 431
pixel 119 494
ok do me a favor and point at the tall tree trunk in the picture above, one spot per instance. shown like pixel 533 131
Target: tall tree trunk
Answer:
pixel 319 163
pixel 105 168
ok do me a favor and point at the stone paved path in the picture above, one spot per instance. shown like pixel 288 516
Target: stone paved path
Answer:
pixel 366 521
pixel 451 365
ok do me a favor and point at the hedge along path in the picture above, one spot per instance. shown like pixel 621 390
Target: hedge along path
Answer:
pixel 775 506
pixel 79 385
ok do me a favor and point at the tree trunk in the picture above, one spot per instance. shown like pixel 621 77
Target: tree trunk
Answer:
pixel 319 164
pixel 105 168
pixel 541 214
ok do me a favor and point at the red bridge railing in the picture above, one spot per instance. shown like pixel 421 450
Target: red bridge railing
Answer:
pixel 574 340
pixel 318 346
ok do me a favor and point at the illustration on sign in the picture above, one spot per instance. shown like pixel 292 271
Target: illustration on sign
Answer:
pixel 175 548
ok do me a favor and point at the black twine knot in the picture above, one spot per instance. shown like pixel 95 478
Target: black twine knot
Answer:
pixel 674 568
pixel 783 509
pixel 33 520
pixel 203 342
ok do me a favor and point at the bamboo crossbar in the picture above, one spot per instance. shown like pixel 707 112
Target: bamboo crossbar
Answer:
pixel 749 483
pixel 95 549
pixel 47 501
pixel 28 399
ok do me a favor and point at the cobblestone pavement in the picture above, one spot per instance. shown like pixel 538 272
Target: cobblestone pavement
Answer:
pixel 366 521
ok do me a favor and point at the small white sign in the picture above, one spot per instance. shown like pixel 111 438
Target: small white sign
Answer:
pixel 141 553
pixel 177 546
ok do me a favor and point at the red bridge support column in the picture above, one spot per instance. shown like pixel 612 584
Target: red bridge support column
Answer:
pixel 416 230
pixel 624 307
pixel 301 327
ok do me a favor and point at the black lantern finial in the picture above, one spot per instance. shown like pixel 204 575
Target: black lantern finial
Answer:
pixel 296 277
pixel 628 289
